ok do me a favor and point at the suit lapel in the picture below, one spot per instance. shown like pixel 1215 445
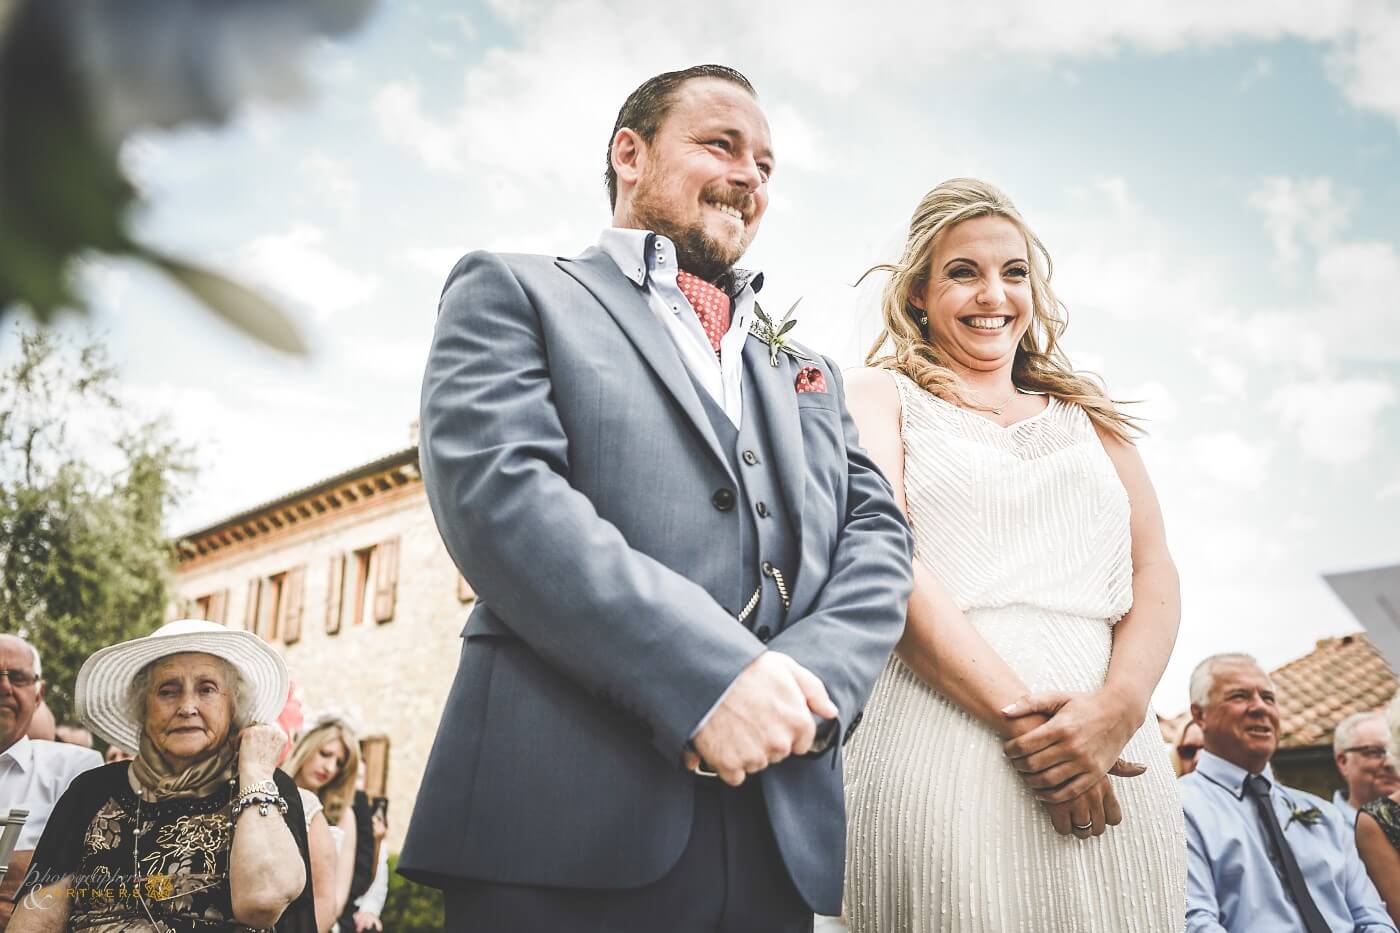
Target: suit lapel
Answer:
pixel 627 304
pixel 777 399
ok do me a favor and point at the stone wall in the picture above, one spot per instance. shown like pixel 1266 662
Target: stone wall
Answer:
pixel 391 678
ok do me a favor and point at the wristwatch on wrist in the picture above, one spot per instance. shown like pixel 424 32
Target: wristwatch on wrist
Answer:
pixel 261 787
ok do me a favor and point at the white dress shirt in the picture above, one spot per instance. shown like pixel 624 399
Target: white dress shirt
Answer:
pixel 649 259
pixel 34 774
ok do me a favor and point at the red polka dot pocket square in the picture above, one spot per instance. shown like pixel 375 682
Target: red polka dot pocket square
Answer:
pixel 810 379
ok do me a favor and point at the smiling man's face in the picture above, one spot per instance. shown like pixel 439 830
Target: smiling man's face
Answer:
pixel 17 702
pixel 1240 722
pixel 703 180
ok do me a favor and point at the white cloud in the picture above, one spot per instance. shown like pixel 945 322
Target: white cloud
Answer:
pixel 1228 459
pixel 296 264
pixel 1358 283
pixel 333 179
pixel 464 25
pixel 398 111
pixel 1363 62
pixel 1305 208
pixel 1261 70
pixel 1336 422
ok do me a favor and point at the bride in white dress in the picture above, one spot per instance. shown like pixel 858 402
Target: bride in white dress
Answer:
pixel 1044 609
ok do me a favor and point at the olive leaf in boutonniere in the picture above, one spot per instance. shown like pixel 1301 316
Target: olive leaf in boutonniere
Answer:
pixel 775 334
pixel 1307 816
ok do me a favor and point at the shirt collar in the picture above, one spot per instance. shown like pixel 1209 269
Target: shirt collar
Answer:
pixel 1228 774
pixel 640 253
pixel 21 753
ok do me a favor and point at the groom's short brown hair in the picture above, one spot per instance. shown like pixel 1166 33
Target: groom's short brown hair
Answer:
pixel 646 108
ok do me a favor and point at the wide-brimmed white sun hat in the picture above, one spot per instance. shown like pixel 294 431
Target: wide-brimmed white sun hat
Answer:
pixel 100 696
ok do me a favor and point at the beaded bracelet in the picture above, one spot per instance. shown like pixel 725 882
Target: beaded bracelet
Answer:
pixel 262 800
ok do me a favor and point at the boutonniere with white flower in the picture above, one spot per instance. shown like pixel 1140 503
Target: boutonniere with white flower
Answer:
pixel 775 334
pixel 1308 816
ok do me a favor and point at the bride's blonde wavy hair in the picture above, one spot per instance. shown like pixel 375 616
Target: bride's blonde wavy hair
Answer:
pixel 1039 366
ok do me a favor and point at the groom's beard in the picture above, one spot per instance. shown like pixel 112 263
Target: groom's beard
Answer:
pixel 696 251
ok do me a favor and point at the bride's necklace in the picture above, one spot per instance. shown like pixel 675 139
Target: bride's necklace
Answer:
pixel 1000 407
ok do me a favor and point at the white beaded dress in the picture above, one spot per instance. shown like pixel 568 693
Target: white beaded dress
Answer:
pixel 1027 529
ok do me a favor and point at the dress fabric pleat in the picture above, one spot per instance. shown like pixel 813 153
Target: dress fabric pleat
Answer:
pixel 1027 529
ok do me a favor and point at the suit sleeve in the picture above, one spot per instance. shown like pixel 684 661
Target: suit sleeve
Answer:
pixel 859 615
pixel 495 462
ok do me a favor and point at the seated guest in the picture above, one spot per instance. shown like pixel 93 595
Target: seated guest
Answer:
pixel 1378 827
pixel 1359 746
pixel 212 834
pixel 33 774
pixel 42 726
pixel 70 733
pixel 325 761
pixel 117 753
pixel 1262 856
pixel 1188 744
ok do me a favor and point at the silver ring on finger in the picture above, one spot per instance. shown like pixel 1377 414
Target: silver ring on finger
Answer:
pixel 1081 829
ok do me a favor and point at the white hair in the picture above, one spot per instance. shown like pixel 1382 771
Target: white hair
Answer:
pixel 1203 677
pixel 1345 732
pixel 38 665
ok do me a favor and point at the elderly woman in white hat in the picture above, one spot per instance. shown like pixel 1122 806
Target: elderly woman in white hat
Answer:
pixel 200 831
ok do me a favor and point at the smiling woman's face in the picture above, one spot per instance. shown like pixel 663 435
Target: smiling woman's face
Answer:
pixel 188 707
pixel 978 297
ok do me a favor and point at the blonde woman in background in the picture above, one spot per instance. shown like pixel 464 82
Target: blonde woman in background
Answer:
pixel 1378 829
pixel 324 762
pixel 1044 609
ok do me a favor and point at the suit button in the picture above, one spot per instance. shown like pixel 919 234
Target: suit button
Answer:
pixel 764 633
pixel 723 499
pixel 762 509
pixel 750 457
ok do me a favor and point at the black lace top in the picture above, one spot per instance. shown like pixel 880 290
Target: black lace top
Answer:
pixel 1387 813
pixel 170 871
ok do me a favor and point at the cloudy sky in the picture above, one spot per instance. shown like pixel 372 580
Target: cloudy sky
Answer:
pixel 1217 183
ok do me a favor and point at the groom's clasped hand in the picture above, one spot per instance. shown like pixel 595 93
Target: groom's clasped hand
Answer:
pixel 766 716
pixel 1070 744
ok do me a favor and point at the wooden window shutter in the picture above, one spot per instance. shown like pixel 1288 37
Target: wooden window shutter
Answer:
pixel 293 589
pixel 250 611
pixel 335 593
pixel 465 593
pixel 374 752
pixel 386 579
pixel 218 606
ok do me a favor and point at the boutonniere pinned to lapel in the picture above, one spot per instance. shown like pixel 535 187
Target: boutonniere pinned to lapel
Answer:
pixel 775 334
pixel 1307 816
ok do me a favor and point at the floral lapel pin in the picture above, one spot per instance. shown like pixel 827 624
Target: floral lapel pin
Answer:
pixel 1308 816
pixel 775 334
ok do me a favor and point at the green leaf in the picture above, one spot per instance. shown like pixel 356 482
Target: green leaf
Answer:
pixel 237 304
pixel 761 315
pixel 786 327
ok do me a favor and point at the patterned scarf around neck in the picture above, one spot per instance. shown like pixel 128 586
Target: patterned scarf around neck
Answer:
pixel 155 778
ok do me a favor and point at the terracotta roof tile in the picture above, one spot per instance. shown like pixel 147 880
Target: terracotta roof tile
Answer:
pixel 1339 677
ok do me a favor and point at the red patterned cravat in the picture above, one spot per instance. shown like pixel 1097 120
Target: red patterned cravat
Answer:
pixel 710 303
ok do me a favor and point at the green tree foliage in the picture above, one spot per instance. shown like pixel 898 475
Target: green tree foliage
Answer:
pixel 84 490
pixel 410 907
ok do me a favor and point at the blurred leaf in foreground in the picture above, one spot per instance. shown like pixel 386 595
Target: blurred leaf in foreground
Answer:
pixel 77 77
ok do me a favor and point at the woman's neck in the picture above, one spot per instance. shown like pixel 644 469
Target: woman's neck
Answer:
pixel 987 386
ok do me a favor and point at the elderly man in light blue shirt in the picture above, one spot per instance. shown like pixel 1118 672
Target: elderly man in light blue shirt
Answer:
pixel 1261 857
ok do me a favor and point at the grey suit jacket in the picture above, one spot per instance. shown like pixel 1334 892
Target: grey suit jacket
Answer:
pixel 571 468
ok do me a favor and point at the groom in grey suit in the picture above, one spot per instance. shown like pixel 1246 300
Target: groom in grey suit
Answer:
pixel 689 573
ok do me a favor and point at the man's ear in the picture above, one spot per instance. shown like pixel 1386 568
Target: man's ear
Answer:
pixel 1197 714
pixel 38 692
pixel 628 155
